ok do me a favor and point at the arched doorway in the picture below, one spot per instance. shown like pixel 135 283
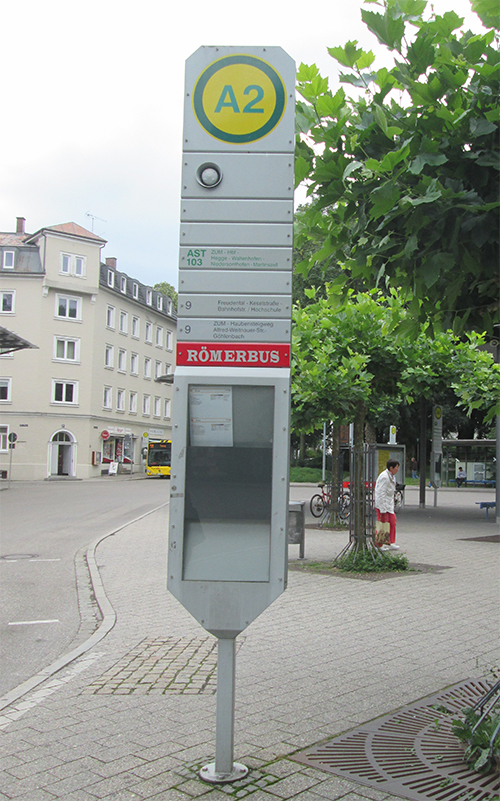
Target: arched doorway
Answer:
pixel 62 454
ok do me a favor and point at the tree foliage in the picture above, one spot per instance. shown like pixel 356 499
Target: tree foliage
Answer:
pixel 403 175
pixel 356 356
pixel 167 289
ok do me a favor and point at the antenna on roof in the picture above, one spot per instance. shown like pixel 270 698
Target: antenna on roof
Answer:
pixel 94 217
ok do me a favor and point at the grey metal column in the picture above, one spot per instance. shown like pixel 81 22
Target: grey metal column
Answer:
pixel 224 769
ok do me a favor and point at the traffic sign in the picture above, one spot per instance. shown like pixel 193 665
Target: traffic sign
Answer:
pixel 12 437
pixel 208 330
pixel 104 434
pixel 230 448
pixel 226 258
pixel 239 99
pixel 249 306
pixel 242 354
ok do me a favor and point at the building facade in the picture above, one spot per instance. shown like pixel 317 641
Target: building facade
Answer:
pixel 88 396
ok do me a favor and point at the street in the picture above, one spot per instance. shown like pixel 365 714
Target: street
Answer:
pixel 46 527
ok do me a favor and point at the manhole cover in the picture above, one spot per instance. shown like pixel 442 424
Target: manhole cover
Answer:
pixel 411 753
pixel 13 557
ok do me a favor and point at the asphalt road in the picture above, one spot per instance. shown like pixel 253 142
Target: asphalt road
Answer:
pixel 44 525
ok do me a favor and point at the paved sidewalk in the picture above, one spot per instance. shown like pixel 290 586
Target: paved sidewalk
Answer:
pixel 135 715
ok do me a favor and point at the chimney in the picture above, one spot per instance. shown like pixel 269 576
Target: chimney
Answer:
pixel 20 225
pixel 111 262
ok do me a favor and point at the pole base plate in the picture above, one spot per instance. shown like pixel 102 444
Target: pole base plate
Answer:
pixel 209 774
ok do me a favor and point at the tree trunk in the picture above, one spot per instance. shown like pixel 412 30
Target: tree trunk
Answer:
pixel 302 448
pixel 357 479
pixel 423 450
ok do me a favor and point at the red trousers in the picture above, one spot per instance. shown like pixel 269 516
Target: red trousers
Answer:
pixel 388 517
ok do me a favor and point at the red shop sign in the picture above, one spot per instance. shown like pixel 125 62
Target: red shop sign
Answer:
pixel 247 354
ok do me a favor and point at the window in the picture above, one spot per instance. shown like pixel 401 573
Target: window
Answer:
pixel 169 340
pixel 122 360
pixel 106 398
pixel 146 404
pixel 72 265
pixel 79 266
pixel 157 369
pixel 8 259
pixel 157 407
pixel 67 350
pixel 123 284
pixel 123 322
pixel 135 327
pixel 68 307
pixel 159 336
pixel 148 336
pixel 159 302
pixel 147 368
pixel 134 363
pixel 167 408
pixel 4 433
pixel 64 391
pixel 132 404
pixel 120 400
pixel 135 291
pixel 149 296
pixel 168 368
pixel 110 317
pixel 109 356
pixel 5 386
pixel 111 278
pixel 169 306
pixel 8 302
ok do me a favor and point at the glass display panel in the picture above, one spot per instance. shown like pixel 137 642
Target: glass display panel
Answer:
pixel 227 514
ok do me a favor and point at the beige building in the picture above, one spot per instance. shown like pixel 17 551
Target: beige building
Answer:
pixel 87 396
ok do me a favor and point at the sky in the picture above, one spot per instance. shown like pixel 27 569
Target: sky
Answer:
pixel 93 105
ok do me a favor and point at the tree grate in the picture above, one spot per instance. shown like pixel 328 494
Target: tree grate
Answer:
pixel 410 753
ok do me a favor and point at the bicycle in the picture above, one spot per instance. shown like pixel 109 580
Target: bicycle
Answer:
pixel 399 497
pixel 321 503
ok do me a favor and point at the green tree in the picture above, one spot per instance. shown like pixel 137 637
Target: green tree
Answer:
pixel 354 360
pixel 167 289
pixel 403 175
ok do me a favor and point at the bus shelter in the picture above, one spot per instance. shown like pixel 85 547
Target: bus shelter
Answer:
pixel 476 456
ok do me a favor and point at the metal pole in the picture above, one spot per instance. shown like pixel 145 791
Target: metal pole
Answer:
pixel 323 474
pixel 224 769
pixel 224 733
pixel 11 448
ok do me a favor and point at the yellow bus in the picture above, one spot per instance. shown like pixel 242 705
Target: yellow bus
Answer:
pixel 158 458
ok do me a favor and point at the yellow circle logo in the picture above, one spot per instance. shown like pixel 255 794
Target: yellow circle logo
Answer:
pixel 239 99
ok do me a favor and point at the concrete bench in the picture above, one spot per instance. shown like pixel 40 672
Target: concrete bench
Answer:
pixel 486 505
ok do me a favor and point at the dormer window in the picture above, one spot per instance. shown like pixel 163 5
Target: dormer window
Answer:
pixel 149 297
pixel 111 278
pixel 135 291
pixel 123 284
pixel 159 303
pixel 8 259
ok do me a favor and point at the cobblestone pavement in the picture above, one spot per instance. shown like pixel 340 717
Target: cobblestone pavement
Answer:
pixel 134 716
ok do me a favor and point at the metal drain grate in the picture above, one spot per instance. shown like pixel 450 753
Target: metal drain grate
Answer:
pixel 411 753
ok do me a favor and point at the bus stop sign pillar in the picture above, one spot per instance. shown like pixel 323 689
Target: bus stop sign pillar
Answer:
pixel 227 556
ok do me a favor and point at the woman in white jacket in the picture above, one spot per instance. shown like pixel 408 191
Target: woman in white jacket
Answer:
pixel 385 488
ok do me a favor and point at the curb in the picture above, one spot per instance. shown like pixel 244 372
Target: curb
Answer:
pixel 107 623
